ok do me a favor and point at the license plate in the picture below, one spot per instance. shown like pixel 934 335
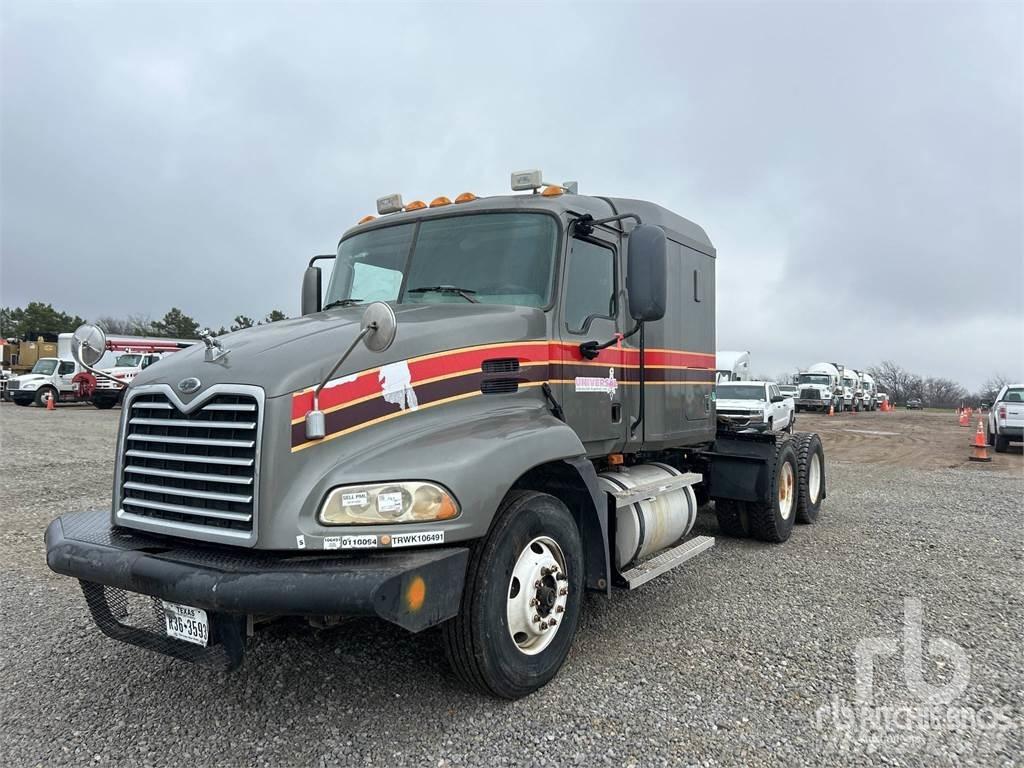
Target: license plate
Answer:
pixel 186 623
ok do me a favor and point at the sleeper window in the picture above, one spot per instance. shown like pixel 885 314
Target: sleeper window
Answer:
pixel 590 288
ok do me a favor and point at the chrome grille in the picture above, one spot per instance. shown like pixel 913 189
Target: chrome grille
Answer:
pixel 191 473
pixel 809 394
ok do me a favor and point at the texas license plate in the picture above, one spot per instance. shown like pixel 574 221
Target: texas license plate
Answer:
pixel 186 623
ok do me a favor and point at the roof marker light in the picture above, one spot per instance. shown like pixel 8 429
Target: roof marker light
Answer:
pixel 366 218
pixel 389 204
pixel 415 205
pixel 465 197
pixel 553 191
pixel 437 202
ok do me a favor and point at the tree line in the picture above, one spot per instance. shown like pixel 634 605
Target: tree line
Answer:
pixel 41 319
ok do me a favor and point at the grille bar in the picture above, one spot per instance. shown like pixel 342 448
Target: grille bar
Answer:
pixel 182 510
pixel 193 441
pixel 192 470
pixel 170 490
pixel 198 476
pixel 134 452
pixel 186 423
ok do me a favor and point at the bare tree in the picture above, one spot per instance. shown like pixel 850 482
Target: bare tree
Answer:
pixel 992 385
pixel 132 325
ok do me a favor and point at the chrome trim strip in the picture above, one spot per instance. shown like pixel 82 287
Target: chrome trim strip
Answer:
pixel 196 532
pixel 191 441
pixel 188 457
pixel 189 493
pixel 152 406
pixel 200 476
pixel 237 516
pixel 188 423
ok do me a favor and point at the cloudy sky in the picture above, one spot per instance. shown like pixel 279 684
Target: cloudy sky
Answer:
pixel 858 166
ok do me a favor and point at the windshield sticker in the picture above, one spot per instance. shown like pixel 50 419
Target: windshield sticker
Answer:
pixel 396 385
pixel 362 541
pixel 598 384
pixel 356 499
pixel 300 541
pixel 389 502
pixel 417 539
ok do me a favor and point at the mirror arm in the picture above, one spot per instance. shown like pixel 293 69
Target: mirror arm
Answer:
pixel 337 365
pixel 640 410
pixel 315 259
pixel 585 224
pixel 590 349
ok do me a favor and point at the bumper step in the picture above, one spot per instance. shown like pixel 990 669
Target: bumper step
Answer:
pixel 667 560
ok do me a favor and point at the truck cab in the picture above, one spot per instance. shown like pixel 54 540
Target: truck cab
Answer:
pixel 108 390
pixel 50 378
pixel 489 407
pixel 819 388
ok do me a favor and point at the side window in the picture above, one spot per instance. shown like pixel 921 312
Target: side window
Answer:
pixel 66 368
pixel 775 391
pixel 590 285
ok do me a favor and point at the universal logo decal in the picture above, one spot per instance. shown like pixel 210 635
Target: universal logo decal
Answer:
pixel 189 385
pixel 598 384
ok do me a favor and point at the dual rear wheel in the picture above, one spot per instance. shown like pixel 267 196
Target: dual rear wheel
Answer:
pixel 796 490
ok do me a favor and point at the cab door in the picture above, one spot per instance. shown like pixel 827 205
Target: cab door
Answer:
pixel 65 375
pixel 591 390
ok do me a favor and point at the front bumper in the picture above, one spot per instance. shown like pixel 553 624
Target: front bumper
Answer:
pixel 414 589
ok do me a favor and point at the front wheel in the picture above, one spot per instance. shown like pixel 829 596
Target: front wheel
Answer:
pixel 521 599
pixel 44 394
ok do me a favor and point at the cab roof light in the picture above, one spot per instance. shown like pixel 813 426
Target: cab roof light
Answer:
pixel 465 197
pixel 415 205
pixel 437 202
pixel 389 204
pixel 367 218
pixel 552 191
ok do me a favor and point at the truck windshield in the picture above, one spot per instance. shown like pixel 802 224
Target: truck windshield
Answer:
pixel 492 258
pixel 127 361
pixel 740 392
pixel 814 378
pixel 45 367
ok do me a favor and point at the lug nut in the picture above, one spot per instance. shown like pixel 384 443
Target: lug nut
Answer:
pixel 543 625
pixel 561 576
pixel 552 622
pixel 533 602
pixel 559 609
pixel 544 571
pixel 536 618
pixel 537 584
pixel 563 591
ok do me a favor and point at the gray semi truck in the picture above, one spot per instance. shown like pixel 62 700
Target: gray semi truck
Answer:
pixel 493 405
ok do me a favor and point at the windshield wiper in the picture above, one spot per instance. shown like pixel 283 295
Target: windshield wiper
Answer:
pixel 463 292
pixel 343 303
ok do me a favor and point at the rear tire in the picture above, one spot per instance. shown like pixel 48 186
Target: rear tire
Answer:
pixel 481 643
pixel 810 462
pixel 1002 444
pixel 104 405
pixel 773 520
pixel 733 519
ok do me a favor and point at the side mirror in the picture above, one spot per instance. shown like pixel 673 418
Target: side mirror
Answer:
pixel 311 290
pixel 647 273
pixel 778 398
pixel 88 345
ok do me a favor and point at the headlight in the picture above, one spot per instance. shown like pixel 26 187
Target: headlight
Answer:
pixel 408 502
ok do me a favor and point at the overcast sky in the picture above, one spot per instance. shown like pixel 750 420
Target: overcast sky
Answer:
pixel 858 166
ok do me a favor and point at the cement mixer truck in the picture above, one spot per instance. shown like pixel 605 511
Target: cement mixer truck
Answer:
pixel 820 388
pixel 494 405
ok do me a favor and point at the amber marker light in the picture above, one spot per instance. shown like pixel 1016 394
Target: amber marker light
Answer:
pixel 465 197
pixel 366 218
pixel 437 202
pixel 415 205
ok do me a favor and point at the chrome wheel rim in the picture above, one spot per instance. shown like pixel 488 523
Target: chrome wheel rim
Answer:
pixel 538 592
pixel 814 478
pixel 786 485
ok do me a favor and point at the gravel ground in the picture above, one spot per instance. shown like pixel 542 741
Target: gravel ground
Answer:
pixel 744 656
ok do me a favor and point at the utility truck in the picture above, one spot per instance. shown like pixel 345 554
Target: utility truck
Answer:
pixel 494 405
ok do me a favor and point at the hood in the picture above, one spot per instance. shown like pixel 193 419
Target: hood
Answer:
pixel 25 378
pixel 291 355
pixel 738 405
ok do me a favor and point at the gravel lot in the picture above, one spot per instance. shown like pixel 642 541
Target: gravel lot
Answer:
pixel 737 658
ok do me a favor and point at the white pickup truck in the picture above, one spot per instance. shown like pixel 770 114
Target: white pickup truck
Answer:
pixel 754 405
pixel 1006 417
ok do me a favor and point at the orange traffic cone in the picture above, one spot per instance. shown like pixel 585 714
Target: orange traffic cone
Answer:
pixel 831 410
pixel 964 418
pixel 980 454
pixel 51 404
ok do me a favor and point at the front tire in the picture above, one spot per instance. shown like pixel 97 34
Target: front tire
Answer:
pixel 104 405
pixel 521 599
pixel 43 394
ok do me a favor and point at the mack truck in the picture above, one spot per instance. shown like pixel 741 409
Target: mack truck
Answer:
pixel 490 406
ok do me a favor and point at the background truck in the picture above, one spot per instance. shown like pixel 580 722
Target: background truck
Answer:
pixel 754 405
pixel 732 366
pixel 849 384
pixel 1006 417
pixel 494 405
pixel 869 393
pixel 820 388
